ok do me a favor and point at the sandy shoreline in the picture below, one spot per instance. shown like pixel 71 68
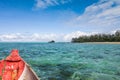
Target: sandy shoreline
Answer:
pixel 103 42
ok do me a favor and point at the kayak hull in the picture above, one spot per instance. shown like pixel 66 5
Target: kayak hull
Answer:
pixel 28 74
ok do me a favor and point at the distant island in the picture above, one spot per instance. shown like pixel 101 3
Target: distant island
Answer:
pixel 98 38
pixel 52 41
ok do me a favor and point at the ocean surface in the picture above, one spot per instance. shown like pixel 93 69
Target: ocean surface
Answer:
pixel 69 61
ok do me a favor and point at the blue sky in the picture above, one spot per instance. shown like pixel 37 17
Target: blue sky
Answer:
pixel 44 20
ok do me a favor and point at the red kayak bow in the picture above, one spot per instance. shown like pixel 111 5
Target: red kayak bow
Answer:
pixel 12 67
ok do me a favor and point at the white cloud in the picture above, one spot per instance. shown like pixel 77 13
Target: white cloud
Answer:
pixel 101 16
pixel 35 37
pixel 69 36
pixel 47 3
pixel 28 37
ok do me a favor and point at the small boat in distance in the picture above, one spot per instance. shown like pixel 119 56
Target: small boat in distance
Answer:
pixel 15 68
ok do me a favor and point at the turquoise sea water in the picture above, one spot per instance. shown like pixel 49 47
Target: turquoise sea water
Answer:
pixel 69 61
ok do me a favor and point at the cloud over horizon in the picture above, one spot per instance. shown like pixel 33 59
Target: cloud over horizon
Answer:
pixel 101 16
pixel 35 37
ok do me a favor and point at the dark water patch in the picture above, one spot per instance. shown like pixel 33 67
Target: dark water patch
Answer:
pixel 50 52
pixel 98 57
pixel 117 54
pixel 106 51
pixel 80 51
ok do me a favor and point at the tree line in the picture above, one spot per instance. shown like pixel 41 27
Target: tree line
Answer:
pixel 98 38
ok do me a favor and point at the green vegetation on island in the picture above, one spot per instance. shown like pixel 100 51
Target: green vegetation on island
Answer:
pixel 98 38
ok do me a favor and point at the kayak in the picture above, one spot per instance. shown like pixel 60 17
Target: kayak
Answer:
pixel 15 68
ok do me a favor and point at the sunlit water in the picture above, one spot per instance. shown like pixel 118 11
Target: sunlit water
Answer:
pixel 69 61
